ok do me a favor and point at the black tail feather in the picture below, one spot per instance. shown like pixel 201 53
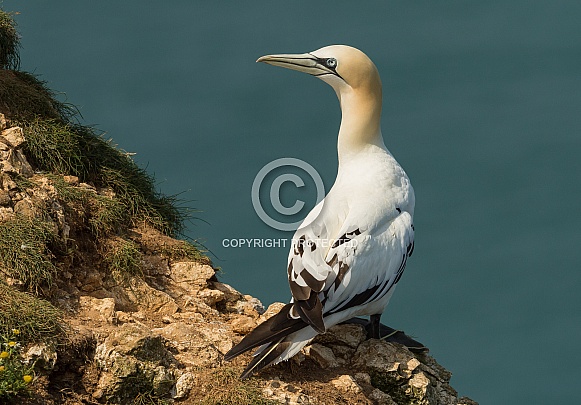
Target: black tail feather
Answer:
pixel 282 319
pixel 266 332
pixel 311 311
pixel 264 358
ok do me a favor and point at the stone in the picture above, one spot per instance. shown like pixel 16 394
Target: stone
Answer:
pixel 163 381
pixel 153 265
pixel 193 304
pixel 271 311
pixel 25 208
pixel 322 355
pixel 418 385
pixel 91 281
pixel 192 273
pixel 133 360
pixel 189 316
pixel 362 378
pixel 243 324
pixel 149 299
pixel 5 199
pixel 41 355
pixel 183 386
pixel 285 393
pixel 200 345
pixel 246 308
pixel 211 297
pixel 466 401
pixel 218 334
pixel 14 135
pixel 348 335
pixel 6 182
pixel 6 213
pixel 230 294
pixel 94 308
pixel 394 369
pixel 375 356
pixel 250 306
pixel 255 304
pixel 14 161
pixel 381 398
pixel 347 384
pixel 135 340
pixel 72 180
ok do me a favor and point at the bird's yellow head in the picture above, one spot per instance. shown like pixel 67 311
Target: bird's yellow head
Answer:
pixel 340 66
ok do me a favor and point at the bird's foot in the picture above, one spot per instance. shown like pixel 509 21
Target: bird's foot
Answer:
pixel 389 334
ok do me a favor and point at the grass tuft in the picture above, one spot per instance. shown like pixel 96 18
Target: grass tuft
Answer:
pixel 24 251
pixel 9 42
pixel 183 250
pixel 149 398
pixel 225 387
pixel 107 215
pixel 24 97
pixel 64 148
pixel 103 213
pixel 34 318
pixel 124 258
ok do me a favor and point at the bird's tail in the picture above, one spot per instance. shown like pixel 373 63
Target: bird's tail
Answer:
pixel 279 338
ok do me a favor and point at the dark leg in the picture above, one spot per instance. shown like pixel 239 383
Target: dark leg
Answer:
pixel 375 326
pixel 376 330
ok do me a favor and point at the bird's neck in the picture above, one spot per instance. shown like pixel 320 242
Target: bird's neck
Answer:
pixel 360 121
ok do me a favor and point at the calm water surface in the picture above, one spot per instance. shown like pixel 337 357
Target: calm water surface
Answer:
pixel 482 106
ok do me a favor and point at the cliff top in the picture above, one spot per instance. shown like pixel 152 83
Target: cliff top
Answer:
pixel 101 304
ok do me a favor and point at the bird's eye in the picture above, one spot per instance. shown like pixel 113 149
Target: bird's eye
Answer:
pixel 331 63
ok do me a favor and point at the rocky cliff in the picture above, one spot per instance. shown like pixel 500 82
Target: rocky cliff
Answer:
pixel 160 331
pixel 100 304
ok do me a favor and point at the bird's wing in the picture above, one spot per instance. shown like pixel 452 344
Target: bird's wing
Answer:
pixel 367 271
pixel 358 264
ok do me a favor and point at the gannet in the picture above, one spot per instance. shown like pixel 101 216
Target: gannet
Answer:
pixel 351 250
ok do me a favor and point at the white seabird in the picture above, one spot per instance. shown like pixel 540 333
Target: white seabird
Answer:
pixel 351 250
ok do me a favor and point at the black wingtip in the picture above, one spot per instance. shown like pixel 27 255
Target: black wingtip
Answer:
pixel 266 332
pixel 265 357
pixel 311 311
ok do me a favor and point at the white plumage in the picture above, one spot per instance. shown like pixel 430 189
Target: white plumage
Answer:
pixel 351 250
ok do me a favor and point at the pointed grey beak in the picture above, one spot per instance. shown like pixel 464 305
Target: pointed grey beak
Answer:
pixel 304 62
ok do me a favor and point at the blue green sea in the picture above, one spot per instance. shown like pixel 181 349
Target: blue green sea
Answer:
pixel 482 107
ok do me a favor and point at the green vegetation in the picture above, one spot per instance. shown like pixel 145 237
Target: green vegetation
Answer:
pixel 107 215
pixel 14 375
pixel 79 212
pixel 25 253
pixel 149 398
pixel 226 387
pixel 182 250
pixel 9 42
pixel 124 258
pixel 36 319
pixel 70 149
pixel 58 144
pixel 24 97
pixel 103 214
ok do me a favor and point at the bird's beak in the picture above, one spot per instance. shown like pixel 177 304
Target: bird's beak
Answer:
pixel 305 62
